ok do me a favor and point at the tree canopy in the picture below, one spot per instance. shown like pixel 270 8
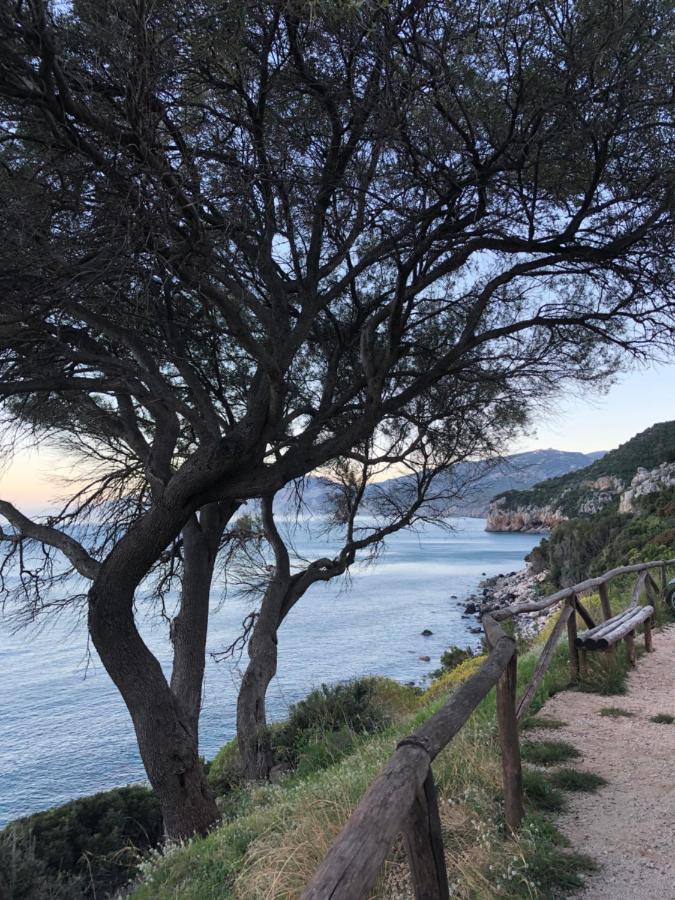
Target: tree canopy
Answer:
pixel 243 238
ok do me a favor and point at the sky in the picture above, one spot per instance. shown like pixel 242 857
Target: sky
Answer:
pixel 577 423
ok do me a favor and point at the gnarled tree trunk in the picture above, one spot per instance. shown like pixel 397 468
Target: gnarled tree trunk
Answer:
pixel 165 720
pixel 252 734
pixel 201 539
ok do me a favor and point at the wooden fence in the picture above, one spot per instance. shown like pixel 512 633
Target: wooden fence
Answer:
pixel 402 798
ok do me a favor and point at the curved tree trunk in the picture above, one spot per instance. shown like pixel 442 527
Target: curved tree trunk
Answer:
pixel 166 737
pixel 252 734
pixel 201 538
pixel 164 720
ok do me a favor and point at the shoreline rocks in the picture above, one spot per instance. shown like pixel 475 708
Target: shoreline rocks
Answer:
pixel 503 590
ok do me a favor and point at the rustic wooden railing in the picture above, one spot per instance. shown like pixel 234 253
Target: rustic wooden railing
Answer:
pixel 402 798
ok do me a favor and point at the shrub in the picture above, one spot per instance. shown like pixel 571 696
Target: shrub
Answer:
pixel 24 876
pixel 98 839
pixel 451 679
pixel 451 658
pixel 351 705
pixel 226 771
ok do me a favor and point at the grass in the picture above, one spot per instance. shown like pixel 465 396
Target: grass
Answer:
pixel 567 779
pixel 662 719
pixel 532 723
pixel 540 793
pixel 277 835
pixel 548 753
pixel 615 712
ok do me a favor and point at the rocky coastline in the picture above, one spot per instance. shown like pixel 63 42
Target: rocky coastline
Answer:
pixel 503 590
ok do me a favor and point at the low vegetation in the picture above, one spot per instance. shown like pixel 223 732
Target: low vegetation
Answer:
pixel 663 719
pixel 547 753
pixel 616 712
pixel 333 743
pixel 540 794
pixel 546 723
pixel 567 779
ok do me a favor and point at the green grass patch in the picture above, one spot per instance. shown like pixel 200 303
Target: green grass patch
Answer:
pixel 662 719
pixel 548 723
pixel 567 779
pixel 548 753
pixel 606 674
pixel 615 712
pixel 552 868
pixel 540 794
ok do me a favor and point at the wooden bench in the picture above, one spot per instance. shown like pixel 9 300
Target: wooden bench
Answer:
pixel 624 625
pixel 621 626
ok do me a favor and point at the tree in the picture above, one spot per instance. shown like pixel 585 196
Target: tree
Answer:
pixel 362 514
pixel 244 238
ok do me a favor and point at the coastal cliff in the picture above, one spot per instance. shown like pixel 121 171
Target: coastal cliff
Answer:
pixel 644 465
pixel 522 518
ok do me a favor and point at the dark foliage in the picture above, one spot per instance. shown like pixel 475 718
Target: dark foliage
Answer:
pixel 91 845
pixel 25 876
pixel 590 546
pixel 349 707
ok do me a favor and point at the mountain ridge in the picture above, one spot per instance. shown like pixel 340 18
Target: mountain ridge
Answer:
pixel 512 471
pixel 585 491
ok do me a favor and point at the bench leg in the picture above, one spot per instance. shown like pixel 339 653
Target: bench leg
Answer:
pixel 630 648
pixel 583 664
pixel 649 644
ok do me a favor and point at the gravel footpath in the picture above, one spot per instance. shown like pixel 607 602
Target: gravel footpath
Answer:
pixel 628 826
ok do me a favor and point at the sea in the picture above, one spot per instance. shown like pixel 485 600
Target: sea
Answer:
pixel 67 733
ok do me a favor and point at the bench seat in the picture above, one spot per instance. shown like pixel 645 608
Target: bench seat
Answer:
pixel 613 630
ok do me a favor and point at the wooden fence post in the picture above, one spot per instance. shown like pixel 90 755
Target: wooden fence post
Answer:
pixel 649 644
pixel 664 583
pixel 603 590
pixel 630 648
pixel 424 845
pixel 510 745
pixel 571 638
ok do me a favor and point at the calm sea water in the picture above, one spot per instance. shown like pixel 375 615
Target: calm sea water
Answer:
pixel 66 732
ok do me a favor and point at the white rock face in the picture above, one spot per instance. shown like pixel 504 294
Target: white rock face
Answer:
pixel 647 481
pixel 537 519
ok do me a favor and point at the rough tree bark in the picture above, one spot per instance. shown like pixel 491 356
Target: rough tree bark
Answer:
pixel 165 719
pixel 252 734
pixel 201 538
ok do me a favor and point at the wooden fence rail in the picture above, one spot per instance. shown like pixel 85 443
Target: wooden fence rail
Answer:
pixel 402 798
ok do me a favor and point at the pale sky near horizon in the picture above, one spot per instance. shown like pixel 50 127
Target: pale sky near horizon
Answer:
pixel 581 423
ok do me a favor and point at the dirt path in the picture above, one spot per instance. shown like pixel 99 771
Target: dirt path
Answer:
pixel 628 826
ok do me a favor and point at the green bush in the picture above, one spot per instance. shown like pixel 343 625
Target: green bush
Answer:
pixel 350 706
pixel 24 876
pixel 225 771
pixel 95 840
pixel 451 658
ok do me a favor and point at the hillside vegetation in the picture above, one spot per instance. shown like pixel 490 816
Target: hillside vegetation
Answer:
pixel 275 836
pixel 649 449
pixel 592 545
